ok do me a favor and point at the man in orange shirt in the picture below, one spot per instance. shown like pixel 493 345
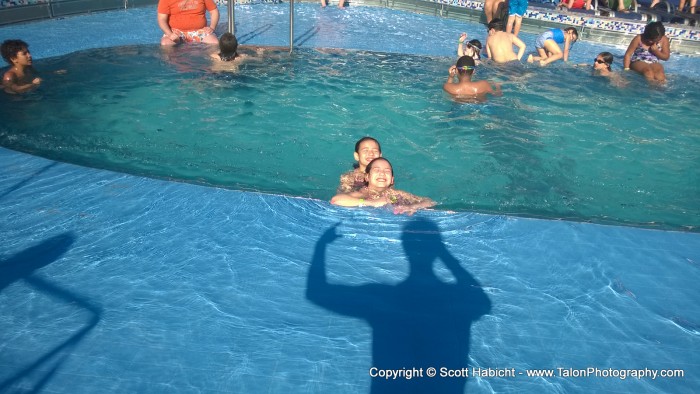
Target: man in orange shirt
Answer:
pixel 185 21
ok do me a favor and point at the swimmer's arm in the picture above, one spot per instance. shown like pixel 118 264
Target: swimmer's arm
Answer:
pixel 630 50
pixel 214 19
pixel 521 46
pixel 163 23
pixel 9 82
pixel 488 49
pixel 567 46
pixel 356 199
pixel 460 44
pixel 448 85
pixel 665 52
pixel 410 209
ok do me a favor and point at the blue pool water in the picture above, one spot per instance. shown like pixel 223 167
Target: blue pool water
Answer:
pixel 117 283
pixel 560 144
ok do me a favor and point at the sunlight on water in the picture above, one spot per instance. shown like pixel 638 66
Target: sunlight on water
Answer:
pixel 572 148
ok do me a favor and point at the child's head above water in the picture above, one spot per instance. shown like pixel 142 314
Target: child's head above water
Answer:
pixel 10 49
pixel 604 60
pixel 475 47
pixel 465 65
pixel 228 45
pixel 653 32
pixel 573 32
pixel 380 173
pixel 366 149
pixel 495 24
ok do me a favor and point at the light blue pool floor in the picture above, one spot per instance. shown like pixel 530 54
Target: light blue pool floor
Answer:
pixel 115 283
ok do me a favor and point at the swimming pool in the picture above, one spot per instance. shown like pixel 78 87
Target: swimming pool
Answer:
pixel 180 121
pixel 146 285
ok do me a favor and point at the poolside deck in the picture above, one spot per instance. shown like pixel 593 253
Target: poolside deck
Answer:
pixel 616 30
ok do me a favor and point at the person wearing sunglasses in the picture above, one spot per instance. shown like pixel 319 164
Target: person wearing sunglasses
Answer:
pixel 547 45
pixel 602 64
pixel 470 48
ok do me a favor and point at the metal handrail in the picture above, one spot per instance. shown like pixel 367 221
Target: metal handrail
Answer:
pixel 231 18
pixel 291 26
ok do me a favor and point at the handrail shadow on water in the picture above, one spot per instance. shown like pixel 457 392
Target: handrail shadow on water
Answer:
pixel 23 266
pixel 420 322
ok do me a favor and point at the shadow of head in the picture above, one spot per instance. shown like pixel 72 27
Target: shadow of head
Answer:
pixel 421 241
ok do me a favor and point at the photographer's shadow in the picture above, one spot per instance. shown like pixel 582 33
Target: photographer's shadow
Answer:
pixel 421 322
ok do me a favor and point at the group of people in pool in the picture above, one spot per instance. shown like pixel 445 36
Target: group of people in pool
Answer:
pixel 643 56
pixel 186 22
pixel 371 183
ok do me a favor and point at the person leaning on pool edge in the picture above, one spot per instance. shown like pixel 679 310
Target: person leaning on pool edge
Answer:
pixel 379 192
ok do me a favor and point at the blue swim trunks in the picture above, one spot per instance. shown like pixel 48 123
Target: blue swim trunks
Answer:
pixel 517 7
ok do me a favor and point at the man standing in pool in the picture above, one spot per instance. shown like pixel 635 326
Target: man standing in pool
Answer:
pixel 366 150
pixel 185 21
pixel 499 44
pixel 21 77
pixel 465 87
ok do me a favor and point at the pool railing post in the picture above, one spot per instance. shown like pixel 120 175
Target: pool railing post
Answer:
pixel 231 19
pixel 291 26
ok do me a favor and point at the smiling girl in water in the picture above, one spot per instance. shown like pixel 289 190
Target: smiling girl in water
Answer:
pixel 379 176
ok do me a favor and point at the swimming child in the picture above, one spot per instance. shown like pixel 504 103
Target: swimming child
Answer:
pixel 465 87
pixel 602 64
pixel 645 51
pixel 21 77
pixel 366 150
pixel 547 45
pixel 379 192
pixel 470 48
pixel 499 44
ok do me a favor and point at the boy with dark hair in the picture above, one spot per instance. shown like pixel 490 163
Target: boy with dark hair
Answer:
pixel 499 44
pixel 21 77
pixel 465 87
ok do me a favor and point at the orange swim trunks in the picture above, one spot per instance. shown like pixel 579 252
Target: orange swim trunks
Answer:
pixel 191 35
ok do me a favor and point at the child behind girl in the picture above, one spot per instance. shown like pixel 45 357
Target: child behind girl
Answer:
pixel 366 150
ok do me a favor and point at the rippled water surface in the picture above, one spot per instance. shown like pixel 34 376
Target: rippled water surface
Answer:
pixel 560 143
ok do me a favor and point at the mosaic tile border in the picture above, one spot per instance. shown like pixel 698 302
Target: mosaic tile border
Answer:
pixel 584 20
pixel 14 3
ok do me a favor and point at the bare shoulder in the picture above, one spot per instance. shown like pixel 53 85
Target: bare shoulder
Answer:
pixel 9 76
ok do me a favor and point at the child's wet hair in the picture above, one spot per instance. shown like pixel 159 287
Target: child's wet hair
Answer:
pixel 465 65
pixel 363 139
pixel 608 58
pixel 476 44
pixel 10 49
pixel 228 45
pixel 371 163
pixel 654 31
pixel 495 24
pixel 572 30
